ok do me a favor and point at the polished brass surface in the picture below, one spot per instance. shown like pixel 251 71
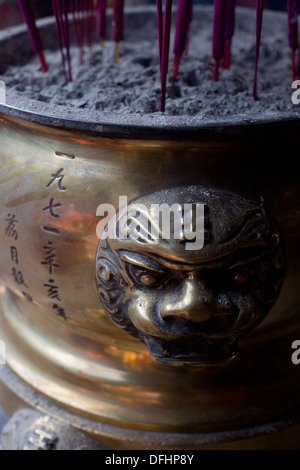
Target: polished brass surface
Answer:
pixel 190 293
pixel 59 337
pixel 282 434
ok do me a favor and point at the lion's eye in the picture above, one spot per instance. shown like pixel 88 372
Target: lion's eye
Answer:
pixel 146 277
pixel 242 277
pixel 147 280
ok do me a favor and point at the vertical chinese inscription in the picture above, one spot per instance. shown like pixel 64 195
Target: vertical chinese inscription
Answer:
pixel 11 231
pixel 50 260
pixel 11 228
pixel 50 256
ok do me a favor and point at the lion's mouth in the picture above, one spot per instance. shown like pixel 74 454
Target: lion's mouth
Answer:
pixel 194 350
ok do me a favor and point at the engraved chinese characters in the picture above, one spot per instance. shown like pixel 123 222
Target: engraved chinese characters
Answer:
pixel 49 236
pixel 191 307
pixel 54 210
pixel 12 233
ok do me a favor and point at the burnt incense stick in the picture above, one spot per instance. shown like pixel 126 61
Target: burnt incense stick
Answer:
pixel 118 25
pixel 183 21
pixel 259 18
pixel 292 6
pixel 33 31
pixel 101 21
pixel 229 32
pixel 218 48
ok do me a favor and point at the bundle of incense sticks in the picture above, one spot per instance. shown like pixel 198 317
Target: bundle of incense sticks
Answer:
pixel 33 31
pixel 87 16
pixel 90 15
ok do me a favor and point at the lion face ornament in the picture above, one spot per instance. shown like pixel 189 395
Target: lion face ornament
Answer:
pixel 191 306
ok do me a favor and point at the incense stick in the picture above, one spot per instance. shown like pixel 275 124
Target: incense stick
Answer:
pixel 229 32
pixel 220 11
pixel 60 39
pixel 62 21
pixel 90 22
pixel 165 52
pixel 76 26
pixel 159 28
pixel 67 36
pixel 183 21
pixel 33 31
pixel 117 26
pixel 101 21
pixel 292 6
pixel 259 18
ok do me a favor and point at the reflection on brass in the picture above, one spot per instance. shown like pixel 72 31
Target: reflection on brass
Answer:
pixel 191 306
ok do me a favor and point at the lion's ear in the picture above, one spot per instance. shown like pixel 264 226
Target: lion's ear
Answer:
pixel 111 286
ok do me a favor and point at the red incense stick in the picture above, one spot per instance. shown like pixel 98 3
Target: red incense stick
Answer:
pixel 101 21
pixel 220 11
pixel 89 12
pixel 67 36
pixel 60 38
pixel 92 19
pixel 63 34
pixel 165 52
pixel 184 16
pixel 86 16
pixel 292 6
pixel 160 28
pixel 61 12
pixel 33 31
pixel 76 26
pixel 118 25
pixel 229 32
pixel 186 50
pixel 80 11
pixel 259 18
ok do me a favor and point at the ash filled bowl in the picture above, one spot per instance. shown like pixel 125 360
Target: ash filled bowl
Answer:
pixel 125 98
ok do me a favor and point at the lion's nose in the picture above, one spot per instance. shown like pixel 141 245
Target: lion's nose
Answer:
pixel 195 302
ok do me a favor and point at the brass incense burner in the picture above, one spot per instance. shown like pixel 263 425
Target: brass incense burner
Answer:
pixel 140 342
